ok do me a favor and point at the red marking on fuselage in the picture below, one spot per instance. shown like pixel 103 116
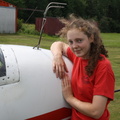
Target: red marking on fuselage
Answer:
pixel 58 114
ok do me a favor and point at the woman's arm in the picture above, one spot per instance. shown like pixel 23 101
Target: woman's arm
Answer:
pixel 94 109
pixel 59 67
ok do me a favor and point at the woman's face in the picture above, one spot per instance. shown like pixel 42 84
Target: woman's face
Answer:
pixel 79 43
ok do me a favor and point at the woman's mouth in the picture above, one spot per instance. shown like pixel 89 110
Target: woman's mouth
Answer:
pixel 77 51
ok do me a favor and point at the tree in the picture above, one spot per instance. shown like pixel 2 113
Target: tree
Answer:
pixel 105 12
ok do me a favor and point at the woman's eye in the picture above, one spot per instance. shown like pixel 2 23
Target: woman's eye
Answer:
pixel 70 42
pixel 80 40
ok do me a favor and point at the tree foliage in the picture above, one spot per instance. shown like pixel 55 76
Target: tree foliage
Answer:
pixel 105 12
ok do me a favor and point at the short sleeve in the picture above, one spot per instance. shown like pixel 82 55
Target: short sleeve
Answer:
pixel 70 54
pixel 104 80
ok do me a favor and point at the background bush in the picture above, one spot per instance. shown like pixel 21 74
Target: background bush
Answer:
pixel 106 12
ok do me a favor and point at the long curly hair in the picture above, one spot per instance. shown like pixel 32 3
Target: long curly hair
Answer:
pixel 89 28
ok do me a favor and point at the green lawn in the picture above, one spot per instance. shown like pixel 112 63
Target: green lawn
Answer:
pixel 111 41
pixel 27 39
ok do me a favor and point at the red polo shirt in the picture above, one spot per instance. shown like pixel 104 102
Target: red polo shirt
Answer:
pixel 85 87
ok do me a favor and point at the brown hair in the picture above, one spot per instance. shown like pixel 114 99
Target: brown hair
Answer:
pixel 90 28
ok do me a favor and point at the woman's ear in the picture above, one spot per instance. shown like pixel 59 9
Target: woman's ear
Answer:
pixel 91 38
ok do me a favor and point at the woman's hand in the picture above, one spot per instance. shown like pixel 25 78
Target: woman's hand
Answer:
pixel 59 66
pixel 66 88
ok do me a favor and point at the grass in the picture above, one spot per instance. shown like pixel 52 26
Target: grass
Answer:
pixel 27 39
pixel 110 40
pixel 113 47
pixel 112 43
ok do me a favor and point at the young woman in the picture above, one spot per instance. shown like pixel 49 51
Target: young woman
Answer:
pixel 91 87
